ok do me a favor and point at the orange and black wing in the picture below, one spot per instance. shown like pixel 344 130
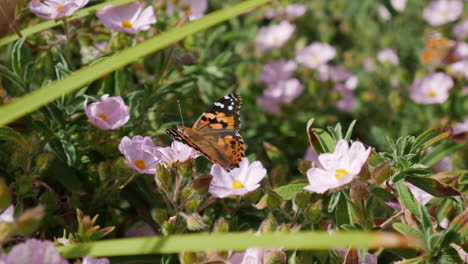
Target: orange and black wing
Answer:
pixel 223 114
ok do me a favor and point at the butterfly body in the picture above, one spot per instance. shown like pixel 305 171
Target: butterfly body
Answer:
pixel 216 133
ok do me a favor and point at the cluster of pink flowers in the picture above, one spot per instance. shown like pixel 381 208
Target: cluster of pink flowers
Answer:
pixel 197 8
pixel 282 89
pixel 344 83
pixel 290 12
pixel 144 156
pixel 274 36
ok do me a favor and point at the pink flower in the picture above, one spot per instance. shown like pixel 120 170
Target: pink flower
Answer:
pixel 444 164
pixel 312 156
pixel 284 91
pixel 33 251
pixel 347 101
pixel 55 9
pixel 249 256
pixel 433 89
pixel 197 8
pixel 8 215
pixel 90 260
pixel 138 152
pixel 459 68
pixel 238 181
pixel 461 127
pixel 440 12
pixel 315 55
pixel 109 113
pixel 398 5
pixel 338 74
pixel 339 167
pixel 421 196
pixel 388 55
pixel 269 105
pixel 294 11
pixel 276 71
pixel 129 18
pixel 177 153
pixel 274 36
pixel 461 51
pixel 460 30
pixel 384 14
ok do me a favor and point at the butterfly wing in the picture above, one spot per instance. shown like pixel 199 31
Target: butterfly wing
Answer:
pixel 223 115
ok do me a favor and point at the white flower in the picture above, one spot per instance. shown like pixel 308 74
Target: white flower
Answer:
pixel 398 5
pixel 238 181
pixel 433 89
pixel 7 215
pixel 384 14
pixel 274 36
pixel 388 55
pixel 440 12
pixel 339 167
pixel 315 55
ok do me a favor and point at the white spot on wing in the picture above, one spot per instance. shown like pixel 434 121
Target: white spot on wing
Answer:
pixel 218 104
pixel 230 107
pixel 226 97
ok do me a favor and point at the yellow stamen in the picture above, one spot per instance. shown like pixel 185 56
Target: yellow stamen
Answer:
pixel 340 173
pixel 237 185
pixel 444 15
pixel 127 24
pixel 432 94
pixel 60 7
pixel 314 59
pixel 102 116
pixel 140 164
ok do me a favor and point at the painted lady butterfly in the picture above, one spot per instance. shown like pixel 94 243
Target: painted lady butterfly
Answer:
pixel 216 132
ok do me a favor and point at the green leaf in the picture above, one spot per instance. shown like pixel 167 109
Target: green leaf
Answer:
pixel 441 151
pixel 350 131
pixel 333 201
pixel 433 186
pixel 16 56
pixel 42 96
pixel 326 141
pixel 15 79
pixel 429 138
pixel 407 199
pixel 426 222
pixel 288 192
pixel 463 178
pixel 7 133
pixel 408 230
pixel 317 240
pixel 342 215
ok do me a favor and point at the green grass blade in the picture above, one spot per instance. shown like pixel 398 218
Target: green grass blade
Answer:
pixel 53 23
pixel 312 240
pixel 42 96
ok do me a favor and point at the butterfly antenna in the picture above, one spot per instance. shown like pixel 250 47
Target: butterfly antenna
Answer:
pixel 180 112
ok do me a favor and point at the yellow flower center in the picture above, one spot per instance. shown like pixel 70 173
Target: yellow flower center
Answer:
pixel 432 94
pixel 60 7
pixel 314 59
pixel 340 173
pixel 102 116
pixel 237 185
pixel 140 164
pixel 127 24
pixel 444 14
pixel 276 40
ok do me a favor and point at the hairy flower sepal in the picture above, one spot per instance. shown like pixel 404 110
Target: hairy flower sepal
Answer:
pixel 238 181
pixel 339 167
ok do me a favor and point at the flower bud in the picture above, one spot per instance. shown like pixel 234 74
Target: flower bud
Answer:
pixel 274 257
pixel 268 225
pixel 201 184
pixel 262 204
pixel 382 172
pixel 221 226
pixel 160 215
pixel 185 169
pixel 5 197
pixel 273 200
pixel 163 178
pixel 359 191
pixel 30 220
pixel 194 221
pixel 314 212
pixel 304 166
pixel 188 258
pixel 193 205
pixel 302 199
